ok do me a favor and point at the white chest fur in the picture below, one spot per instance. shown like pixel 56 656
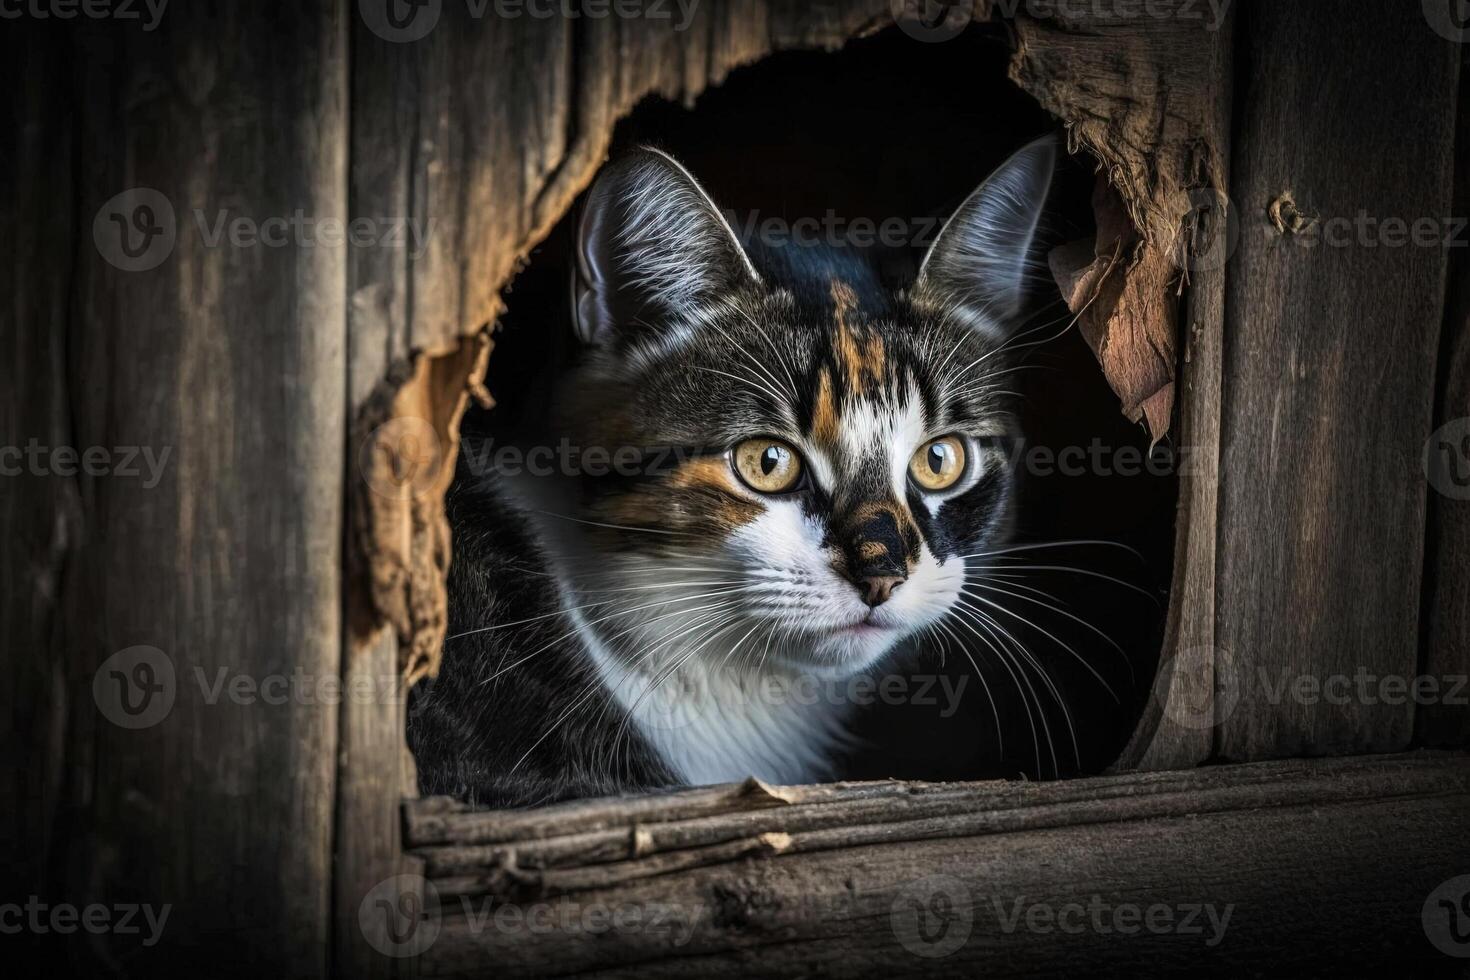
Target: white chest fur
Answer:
pixel 712 724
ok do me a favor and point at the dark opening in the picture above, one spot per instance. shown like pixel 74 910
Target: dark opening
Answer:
pixel 893 128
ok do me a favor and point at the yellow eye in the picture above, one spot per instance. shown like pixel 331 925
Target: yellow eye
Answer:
pixel 768 466
pixel 938 465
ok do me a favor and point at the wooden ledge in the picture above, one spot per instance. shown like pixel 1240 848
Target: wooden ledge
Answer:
pixel 1321 859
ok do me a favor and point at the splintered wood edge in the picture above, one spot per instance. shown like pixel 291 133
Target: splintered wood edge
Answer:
pixel 642 825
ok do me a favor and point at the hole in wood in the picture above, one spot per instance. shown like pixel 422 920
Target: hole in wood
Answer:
pixel 838 152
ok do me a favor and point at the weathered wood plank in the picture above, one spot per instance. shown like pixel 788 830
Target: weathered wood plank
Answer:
pixel 229 355
pixel 1252 841
pixel 1329 366
pixel 582 845
pixel 1446 721
pixel 1173 159
pixel 40 515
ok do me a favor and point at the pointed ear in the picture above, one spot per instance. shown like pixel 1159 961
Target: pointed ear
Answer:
pixel 982 261
pixel 651 243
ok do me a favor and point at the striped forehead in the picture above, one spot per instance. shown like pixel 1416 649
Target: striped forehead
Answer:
pixel 867 415
pixel 869 457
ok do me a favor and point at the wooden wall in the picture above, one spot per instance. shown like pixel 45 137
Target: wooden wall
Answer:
pixel 233 360
pixel 1330 366
pixel 270 547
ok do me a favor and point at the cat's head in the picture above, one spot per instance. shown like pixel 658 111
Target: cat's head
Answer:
pixel 820 455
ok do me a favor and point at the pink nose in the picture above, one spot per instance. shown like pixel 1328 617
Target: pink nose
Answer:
pixel 876 589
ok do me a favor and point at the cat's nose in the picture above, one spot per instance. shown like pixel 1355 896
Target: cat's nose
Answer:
pixel 876 589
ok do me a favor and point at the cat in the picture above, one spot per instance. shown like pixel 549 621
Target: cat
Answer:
pixel 808 460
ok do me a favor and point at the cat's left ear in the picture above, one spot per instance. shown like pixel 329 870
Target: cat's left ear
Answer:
pixel 651 246
pixel 982 261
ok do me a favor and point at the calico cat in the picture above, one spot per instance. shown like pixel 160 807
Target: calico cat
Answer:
pixel 794 464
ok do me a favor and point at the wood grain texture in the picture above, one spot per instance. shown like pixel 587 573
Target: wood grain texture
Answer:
pixel 563 853
pixel 1446 652
pixel 1168 735
pixel 830 892
pixel 1329 365
pixel 40 515
pixel 230 356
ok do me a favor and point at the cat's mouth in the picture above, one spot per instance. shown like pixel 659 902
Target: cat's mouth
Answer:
pixel 870 625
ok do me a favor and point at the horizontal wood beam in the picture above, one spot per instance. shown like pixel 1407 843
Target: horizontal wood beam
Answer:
pixel 1319 861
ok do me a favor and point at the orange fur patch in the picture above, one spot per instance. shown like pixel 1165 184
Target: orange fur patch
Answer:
pixel 824 411
pixel 729 509
pixel 859 352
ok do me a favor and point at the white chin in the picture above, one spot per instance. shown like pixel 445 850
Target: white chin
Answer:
pixel 841 653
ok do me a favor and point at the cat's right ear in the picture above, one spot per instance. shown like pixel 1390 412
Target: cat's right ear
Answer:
pixel 651 245
pixel 984 259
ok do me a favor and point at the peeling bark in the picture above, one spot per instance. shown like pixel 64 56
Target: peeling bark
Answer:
pixel 407 457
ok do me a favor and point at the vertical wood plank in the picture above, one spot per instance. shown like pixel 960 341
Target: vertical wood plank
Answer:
pixel 1445 721
pixel 1329 370
pixel 229 355
pixel 1175 731
pixel 39 513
